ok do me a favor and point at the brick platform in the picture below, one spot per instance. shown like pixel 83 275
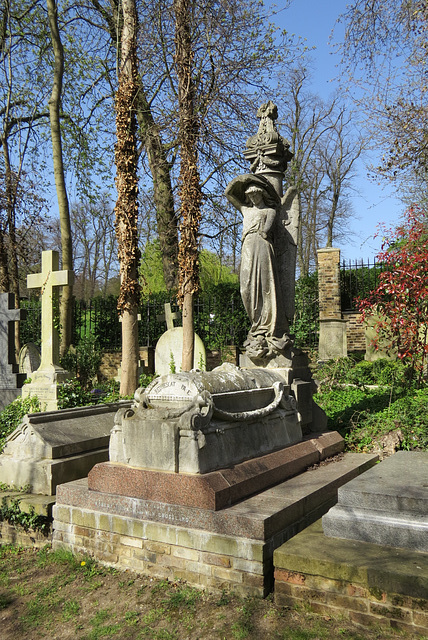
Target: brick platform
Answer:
pixel 368 583
pixel 227 549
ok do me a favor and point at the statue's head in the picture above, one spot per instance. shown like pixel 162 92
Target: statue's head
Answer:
pixel 254 192
pixel 254 189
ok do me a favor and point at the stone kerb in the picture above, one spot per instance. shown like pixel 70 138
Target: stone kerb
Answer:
pixel 367 583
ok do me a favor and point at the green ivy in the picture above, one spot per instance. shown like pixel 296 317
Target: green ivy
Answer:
pixel 12 514
pixel 13 413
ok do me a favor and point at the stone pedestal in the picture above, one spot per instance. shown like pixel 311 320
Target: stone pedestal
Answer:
pixel 294 370
pixel 11 380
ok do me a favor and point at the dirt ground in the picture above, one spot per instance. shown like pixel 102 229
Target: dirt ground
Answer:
pixel 46 594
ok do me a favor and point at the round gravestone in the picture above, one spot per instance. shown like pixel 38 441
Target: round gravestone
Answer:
pixel 29 359
pixel 169 351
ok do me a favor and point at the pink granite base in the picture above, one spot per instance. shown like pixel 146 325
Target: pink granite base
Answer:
pixel 218 489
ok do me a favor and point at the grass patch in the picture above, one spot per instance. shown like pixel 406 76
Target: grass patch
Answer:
pixel 47 596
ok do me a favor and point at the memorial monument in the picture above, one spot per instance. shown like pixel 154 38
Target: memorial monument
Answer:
pixel 207 471
pixel 44 382
pixel 269 244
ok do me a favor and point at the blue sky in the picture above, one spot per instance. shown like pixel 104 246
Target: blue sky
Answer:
pixel 373 203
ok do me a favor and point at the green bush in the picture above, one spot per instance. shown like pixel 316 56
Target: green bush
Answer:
pixel 407 414
pixel 349 370
pixel 84 360
pixel 12 415
pixel 365 414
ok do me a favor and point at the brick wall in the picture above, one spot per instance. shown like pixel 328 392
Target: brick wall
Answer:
pixel 355 331
pixel 205 560
pixel 357 602
pixel 330 304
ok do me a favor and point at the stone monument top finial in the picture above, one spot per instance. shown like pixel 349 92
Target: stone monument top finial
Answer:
pixel 268 151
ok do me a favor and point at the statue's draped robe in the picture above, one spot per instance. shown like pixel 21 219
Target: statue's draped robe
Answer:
pixel 260 287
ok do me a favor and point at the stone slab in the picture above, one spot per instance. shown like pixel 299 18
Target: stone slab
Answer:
pixel 260 517
pixel 389 505
pixel 56 434
pixel 398 484
pixel 377 567
pixel 409 531
pixel 217 489
pixel 51 448
pixel 42 505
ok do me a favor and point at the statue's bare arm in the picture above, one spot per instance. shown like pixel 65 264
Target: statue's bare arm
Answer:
pixel 236 203
pixel 269 220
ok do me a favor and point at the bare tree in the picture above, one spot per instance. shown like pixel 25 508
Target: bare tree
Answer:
pixel 385 56
pixel 94 245
pixel 325 151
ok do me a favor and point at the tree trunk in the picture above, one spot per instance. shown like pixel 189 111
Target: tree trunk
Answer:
pixel 190 189
pixel 58 164
pixel 163 195
pixel 127 203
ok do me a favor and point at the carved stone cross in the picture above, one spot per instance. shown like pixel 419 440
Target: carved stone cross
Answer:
pixel 8 316
pixel 169 316
pixel 48 281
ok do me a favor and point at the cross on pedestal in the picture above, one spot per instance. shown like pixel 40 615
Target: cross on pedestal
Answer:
pixel 8 316
pixel 48 281
pixel 168 316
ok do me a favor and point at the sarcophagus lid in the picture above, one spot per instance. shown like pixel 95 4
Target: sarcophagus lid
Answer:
pixel 232 389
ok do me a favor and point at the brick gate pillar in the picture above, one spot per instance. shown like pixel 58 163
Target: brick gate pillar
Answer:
pixel 332 338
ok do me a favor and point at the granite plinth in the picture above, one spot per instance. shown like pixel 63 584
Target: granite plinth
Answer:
pixel 259 516
pixel 217 489
pixel 387 506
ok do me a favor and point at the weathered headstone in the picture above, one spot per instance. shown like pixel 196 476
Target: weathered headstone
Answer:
pixel 11 380
pixel 169 348
pixel 45 381
pixel 29 359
